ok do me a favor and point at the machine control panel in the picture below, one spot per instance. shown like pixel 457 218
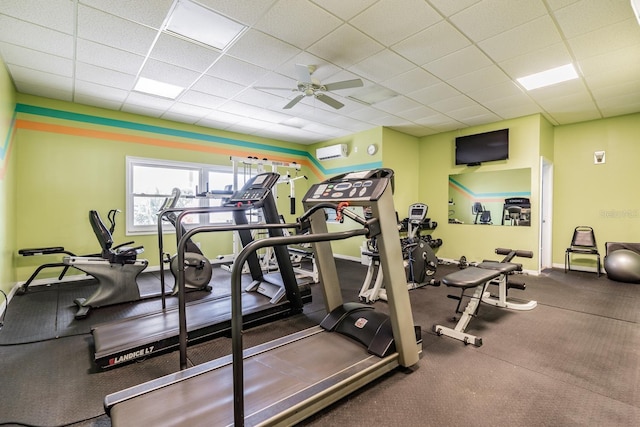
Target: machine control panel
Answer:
pixel 354 186
pixel 255 190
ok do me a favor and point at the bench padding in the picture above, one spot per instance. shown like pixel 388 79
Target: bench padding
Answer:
pixel 470 277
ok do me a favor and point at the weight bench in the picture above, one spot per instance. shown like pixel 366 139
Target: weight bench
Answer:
pixel 479 278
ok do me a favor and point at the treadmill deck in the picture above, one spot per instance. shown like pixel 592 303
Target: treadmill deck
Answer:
pixel 288 376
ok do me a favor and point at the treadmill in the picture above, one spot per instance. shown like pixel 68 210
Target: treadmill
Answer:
pixel 289 379
pixel 268 297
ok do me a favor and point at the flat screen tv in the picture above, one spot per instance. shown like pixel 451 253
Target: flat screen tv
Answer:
pixel 483 147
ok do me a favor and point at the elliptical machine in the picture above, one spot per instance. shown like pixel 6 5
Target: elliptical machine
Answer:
pixel 420 262
pixel 198 269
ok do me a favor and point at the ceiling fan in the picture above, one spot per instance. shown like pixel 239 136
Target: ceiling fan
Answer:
pixel 309 86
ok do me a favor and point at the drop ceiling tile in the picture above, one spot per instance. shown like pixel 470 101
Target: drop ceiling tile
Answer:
pixel 618 64
pixel 219 120
pixel 492 17
pixel 299 32
pixel 55 14
pixel 136 11
pixel 183 53
pixel 478 79
pixel 204 100
pixel 411 81
pixel 47 91
pixel 473 115
pixel 382 66
pixel 588 15
pixel 31 77
pixel 485 94
pixel 388 22
pixel 183 109
pixel 608 39
pixel 432 94
pixel 104 76
pixel 417 113
pixel 625 103
pixel 453 104
pixel 141 110
pixel 31 36
pixel 144 100
pixel 397 105
pixel 258 113
pixel 218 87
pixel 513 106
pixel 345 46
pixel 97 102
pixel 432 43
pixel 344 10
pixel 414 129
pixel 94 90
pixel 35 59
pixel 261 99
pixel 236 71
pixel 536 61
pixel 530 36
pixel 108 57
pixel 448 7
pixel 559 4
pixel 246 11
pixel 458 63
pixel 112 31
pixel 167 73
pixel 262 50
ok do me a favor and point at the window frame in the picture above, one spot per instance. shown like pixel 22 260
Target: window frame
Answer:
pixel 203 172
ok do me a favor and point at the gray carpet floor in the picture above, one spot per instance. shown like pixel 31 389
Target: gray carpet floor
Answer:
pixel 572 361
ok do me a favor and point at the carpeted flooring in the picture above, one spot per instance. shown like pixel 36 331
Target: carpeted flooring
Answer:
pixel 573 360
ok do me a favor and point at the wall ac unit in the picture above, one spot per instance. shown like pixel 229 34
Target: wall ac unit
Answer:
pixel 332 152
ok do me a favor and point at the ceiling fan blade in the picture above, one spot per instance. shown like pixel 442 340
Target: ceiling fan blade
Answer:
pixel 293 102
pixel 346 84
pixel 303 72
pixel 329 101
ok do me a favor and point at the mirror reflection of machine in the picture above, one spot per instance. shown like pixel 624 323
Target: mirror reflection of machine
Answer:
pixel 516 211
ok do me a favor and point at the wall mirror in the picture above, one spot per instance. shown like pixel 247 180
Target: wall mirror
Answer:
pixel 491 198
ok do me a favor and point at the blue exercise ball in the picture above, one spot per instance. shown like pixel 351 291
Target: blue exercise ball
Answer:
pixel 623 265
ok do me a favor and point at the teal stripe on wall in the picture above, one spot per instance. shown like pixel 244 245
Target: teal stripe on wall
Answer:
pixel 123 124
pixel 489 195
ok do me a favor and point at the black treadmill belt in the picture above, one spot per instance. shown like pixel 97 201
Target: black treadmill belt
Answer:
pixel 125 340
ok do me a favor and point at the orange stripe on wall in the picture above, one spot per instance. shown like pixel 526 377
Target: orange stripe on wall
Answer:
pixel 112 136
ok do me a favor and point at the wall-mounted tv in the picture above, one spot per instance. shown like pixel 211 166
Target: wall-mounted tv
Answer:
pixel 482 147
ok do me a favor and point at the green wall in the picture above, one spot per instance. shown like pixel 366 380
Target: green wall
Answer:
pixel 65 159
pixel 7 181
pixel 71 159
pixel 602 196
pixel 477 242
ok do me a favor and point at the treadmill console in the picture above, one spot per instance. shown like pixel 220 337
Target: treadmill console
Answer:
pixel 353 186
pixel 255 190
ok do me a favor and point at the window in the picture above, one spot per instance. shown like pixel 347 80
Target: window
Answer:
pixel 150 182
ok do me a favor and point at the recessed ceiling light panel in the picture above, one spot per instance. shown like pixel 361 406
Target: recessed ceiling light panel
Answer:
pixel 549 77
pixel 203 25
pixel 154 87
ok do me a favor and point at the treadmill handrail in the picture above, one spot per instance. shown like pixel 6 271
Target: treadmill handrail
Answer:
pixel 236 304
pixel 178 229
